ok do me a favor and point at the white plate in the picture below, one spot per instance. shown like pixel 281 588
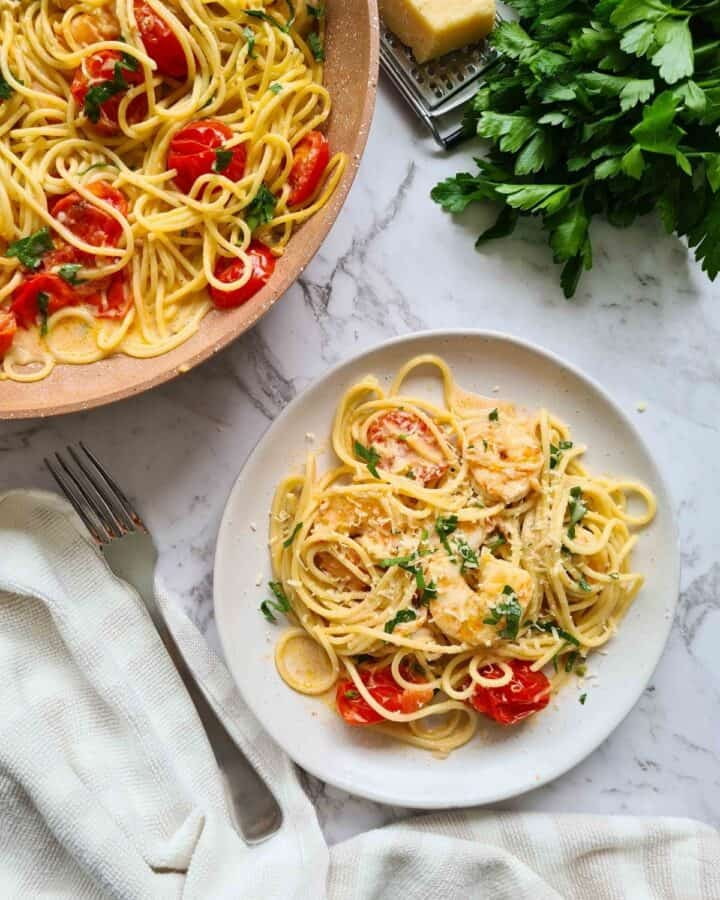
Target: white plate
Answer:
pixel 498 763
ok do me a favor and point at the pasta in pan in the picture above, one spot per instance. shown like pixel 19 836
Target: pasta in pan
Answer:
pixel 155 158
pixel 459 560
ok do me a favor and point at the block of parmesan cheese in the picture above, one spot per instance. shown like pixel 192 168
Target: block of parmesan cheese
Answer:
pixel 432 28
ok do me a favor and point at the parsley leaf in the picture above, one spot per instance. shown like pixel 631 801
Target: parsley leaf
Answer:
pixel 556 452
pixel 266 17
pixel 275 88
pixel 510 610
pixel 351 695
pixel 43 301
pixel 68 273
pixel 30 250
pixel 288 541
pixel 223 158
pixel 468 557
pixel 581 699
pixel 552 627
pixel 444 526
pixel 317 48
pixel 104 90
pixel 6 90
pixel 261 209
pixel 280 603
pixel 369 456
pixel 496 542
pixel 317 12
pixel 576 508
pixel 249 36
pixel 426 590
pixel 402 615
pixel 493 415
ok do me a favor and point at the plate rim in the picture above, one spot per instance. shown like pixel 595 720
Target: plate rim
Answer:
pixel 665 502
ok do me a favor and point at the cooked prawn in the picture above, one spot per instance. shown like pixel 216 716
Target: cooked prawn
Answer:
pixel 459 611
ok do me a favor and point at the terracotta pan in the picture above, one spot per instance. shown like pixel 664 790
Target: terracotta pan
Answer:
pixel 351 76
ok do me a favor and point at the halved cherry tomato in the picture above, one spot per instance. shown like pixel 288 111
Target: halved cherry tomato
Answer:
pixel 160 41
pixel 384 689
pixel 311 158
pixel 227 270
pixel 8 327
pixel 527 693
pixel 97 69
pixel 193 152
pixel 115 301
pixel 388 435
pixel 26 299
pixel 90 223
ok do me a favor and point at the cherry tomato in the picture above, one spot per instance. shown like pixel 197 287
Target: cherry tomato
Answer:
pixel 8 327
pixel 311 158
pixel 227 270
pixel 388 435
pixel 384 689
pixel 160 41
pixel 90 223
pixel 98 69
pixel 527 693
pixel 193 152
pixel 26 301
pixel 116 299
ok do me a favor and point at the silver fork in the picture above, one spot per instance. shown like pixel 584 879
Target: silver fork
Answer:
pixel 130 552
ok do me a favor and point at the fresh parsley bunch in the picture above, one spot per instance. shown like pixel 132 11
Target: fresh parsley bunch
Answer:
pixel 608 108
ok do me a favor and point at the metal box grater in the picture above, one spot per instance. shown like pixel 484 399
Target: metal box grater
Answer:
pixel 437 90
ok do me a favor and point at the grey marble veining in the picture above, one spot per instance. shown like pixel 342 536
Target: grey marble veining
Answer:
pixel 645 323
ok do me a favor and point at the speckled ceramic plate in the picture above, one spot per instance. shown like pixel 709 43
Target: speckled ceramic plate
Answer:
pixel 498 763
pixel 351 77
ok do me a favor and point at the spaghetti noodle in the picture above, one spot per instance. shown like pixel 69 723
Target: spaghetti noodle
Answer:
pixel 155 158
pixel 456 554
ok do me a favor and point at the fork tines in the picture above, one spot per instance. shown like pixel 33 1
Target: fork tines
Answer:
pixel 101 504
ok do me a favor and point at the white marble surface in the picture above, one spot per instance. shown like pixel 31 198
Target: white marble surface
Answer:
pixel 646 324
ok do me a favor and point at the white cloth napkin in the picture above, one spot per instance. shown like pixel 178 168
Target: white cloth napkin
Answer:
pixel 108 787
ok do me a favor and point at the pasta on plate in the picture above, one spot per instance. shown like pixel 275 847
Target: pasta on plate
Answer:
pixel 457 561
pixel 155 159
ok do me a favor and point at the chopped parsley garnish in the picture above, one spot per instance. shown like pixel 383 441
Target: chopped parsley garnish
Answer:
pixel 493 415
pixel 570 661
pixel 223 158
pixel 402 615
pixel 554 628
pixel 444 526
pixel 275 87
pixel 577 509
pixel 104 90
pixel 468 557
pixel 581 699
pixel 556 452
pixel 351 695
pixel 280 604
pixel 426 590
pixel 496 542
pixel 43 301
pixel 315 43
pixel 369 456
pixel 249 35
pixel 584 586
pixel 68 273
pixel 97 165
pixel 266 17
pixel 262 208
pixel 6 90
pixel 510 610
pixel 291 538
pixel 410 474
pixel 30 250
pixel 317 12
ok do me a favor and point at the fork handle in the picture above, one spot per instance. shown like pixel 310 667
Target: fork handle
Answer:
pixel 254 810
